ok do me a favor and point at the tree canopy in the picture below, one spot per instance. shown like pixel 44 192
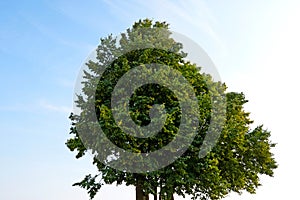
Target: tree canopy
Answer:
pixel 234 164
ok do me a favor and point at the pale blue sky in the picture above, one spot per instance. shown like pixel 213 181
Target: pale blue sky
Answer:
pixel 254 44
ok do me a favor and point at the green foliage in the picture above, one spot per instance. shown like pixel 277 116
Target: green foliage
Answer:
pixel 89 183
pixel 234 164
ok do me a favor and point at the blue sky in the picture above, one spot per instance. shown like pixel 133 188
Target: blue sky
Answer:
pixel 255 46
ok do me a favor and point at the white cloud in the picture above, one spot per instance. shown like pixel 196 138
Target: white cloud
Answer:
pixel 36 107
pixel 192 18
pixel 54 108
pixel 52 34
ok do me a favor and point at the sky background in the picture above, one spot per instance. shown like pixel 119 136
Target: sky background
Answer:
pixel 254 44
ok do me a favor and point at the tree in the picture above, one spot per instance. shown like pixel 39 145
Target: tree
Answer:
pixel 233 164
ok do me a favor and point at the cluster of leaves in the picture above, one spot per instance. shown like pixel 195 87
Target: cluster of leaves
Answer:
pixel 234 164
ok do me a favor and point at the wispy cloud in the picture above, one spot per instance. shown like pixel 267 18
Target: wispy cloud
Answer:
pixel 15 108
pixel 54 108
pixel 53 34
pixel 193 17
pixel 36 107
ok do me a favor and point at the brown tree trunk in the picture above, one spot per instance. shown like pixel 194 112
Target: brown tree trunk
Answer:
pixel 139 194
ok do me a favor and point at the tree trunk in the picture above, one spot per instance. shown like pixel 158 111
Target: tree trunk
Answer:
pixel 139 194
pixel 155 195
